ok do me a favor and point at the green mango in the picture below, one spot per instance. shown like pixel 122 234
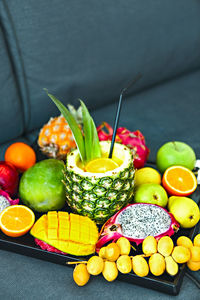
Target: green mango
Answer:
pixel 41 187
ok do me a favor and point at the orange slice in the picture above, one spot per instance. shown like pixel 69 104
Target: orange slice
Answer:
pixel 101 165
pixel 16 220
pixel 179 181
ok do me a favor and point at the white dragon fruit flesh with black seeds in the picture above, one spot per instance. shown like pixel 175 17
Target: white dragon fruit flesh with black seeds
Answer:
pixel 136 222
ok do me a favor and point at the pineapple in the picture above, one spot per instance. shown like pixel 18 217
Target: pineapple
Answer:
pixel 97 195
pixel 100 195
pixel 55 138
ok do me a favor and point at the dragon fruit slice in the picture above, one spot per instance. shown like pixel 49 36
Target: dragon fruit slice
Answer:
pixel 136 222
pixel 6 201
pixel 134 140
pixel 45 246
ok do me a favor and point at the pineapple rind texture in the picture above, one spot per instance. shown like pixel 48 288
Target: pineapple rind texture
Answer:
pixel 99 196
pixel 70 233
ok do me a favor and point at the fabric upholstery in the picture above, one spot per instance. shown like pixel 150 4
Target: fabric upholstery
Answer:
pixel 11 117
pixel 91 49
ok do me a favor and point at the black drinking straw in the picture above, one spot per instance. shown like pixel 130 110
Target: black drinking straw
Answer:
pixel 118 112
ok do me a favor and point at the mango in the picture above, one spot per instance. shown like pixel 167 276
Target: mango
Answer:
pixel 149 245
pixel 140 266
pixel 95 265
pixel 112 252
pixel 124 245
pixel 81 275
pixel 184 241
pixel 193 265
pixel 157 264
pixel 124 264
pixel 197 240
pixel 165 245
pixel 171 266
pixel 110 271
pixel 181 254
pixel 195 253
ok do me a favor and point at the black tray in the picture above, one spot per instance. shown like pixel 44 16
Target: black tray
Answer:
pixel 171 285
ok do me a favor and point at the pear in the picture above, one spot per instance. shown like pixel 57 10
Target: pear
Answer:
pixel 185 211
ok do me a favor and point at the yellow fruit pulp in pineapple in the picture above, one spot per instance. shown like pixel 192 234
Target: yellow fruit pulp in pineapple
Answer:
pixel 100 165
pixel 103 164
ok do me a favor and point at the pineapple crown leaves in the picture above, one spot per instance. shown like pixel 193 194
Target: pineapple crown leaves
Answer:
pixel 87 143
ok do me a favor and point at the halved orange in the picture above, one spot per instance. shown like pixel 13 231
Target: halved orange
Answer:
pixel 101 165
pixel 179 181
pixel 16 220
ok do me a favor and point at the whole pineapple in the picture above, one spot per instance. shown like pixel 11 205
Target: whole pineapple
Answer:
pixel 55 138
pixel 95 194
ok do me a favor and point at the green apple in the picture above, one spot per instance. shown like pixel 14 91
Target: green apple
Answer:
pixel 151 193
pixel 175 153
pixel 185 210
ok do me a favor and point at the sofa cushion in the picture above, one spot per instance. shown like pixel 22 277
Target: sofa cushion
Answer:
pixel 168 112
pixel 11 116
pixel 91 49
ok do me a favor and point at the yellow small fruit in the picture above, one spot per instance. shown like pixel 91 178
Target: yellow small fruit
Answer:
pixel 197 240
pixel 195 253
pixel 193 265
pixel 124 245
pixel 102 252
pixel 140 266
pixel 124 264
pixel 171 266
pixel 110 271
pixel 184 241
pixel 81 275
pixel 95 265
pixel 157 264
pixel 181 254
pixel 112 252
pixel 149 245
pixel 147 175
pixel 165 245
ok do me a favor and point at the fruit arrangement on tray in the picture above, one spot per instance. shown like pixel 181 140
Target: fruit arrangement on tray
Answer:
pixel 123 213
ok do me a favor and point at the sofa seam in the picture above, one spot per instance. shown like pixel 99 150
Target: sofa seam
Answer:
pixel 18 68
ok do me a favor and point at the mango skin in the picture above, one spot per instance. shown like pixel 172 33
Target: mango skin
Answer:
pixel 41 186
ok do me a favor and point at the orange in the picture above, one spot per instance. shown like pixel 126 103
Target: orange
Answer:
pixel 101 165
pixel 179 181
pixel 21 155
pixel 16 220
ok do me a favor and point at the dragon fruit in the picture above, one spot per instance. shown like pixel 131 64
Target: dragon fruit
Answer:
pixel 49 248
pixel 137 221
pixel 134 140
pixel 6 201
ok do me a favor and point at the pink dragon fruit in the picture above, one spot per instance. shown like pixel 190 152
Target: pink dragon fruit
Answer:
pixel 49 248
pixel 137 221
pixel 134 140
pixel 6 201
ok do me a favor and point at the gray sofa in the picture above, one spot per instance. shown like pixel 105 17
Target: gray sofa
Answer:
pixel 91 50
